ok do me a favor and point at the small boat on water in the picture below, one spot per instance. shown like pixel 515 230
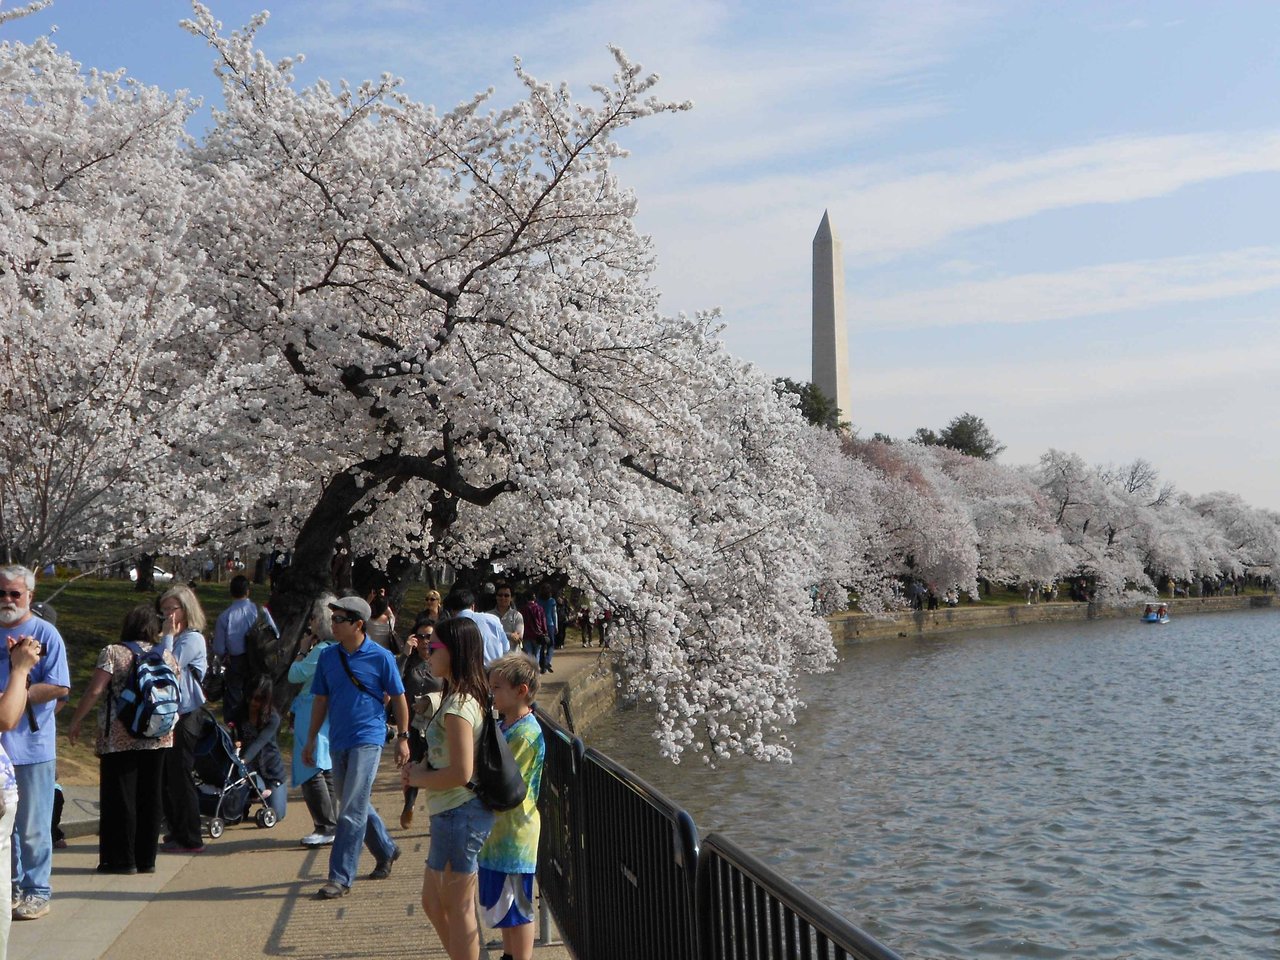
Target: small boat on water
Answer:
pixel 1156 614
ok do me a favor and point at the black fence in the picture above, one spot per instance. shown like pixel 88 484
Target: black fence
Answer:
pixel 746 911
pixel 621 867
pixel 558 878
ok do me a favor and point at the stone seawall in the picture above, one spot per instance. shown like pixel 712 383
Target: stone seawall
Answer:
pixel 585 698
pixel 592 694
pixel 860 627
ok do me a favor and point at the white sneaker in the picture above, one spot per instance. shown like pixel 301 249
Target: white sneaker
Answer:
pixel 317 840
pixel 31 908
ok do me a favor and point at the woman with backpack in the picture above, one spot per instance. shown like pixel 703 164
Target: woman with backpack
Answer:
pixel 130 763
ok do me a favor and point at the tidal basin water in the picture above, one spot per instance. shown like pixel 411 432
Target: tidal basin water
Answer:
pixel 1104 789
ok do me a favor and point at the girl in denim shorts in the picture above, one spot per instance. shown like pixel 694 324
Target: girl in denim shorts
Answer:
pixel 460 824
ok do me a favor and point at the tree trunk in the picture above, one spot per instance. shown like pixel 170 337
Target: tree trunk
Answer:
pixel 311 571
pixel 401 572
pixel 145 564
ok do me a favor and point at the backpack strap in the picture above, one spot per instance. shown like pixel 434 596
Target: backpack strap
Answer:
pixel 346 665
pixel 136 651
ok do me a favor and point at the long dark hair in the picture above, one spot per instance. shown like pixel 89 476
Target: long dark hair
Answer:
pixel 141 625
pixel 461 637
pixel 260 702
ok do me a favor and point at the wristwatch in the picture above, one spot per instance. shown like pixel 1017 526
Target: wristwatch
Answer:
pixel 402 735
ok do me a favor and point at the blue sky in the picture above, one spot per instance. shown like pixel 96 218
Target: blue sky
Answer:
pixel 1060 217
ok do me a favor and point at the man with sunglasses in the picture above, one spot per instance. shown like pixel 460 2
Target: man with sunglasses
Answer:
pixel 355 680
pixel 33 744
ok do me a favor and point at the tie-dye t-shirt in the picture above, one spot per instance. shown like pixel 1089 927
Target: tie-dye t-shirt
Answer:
pixel 512 846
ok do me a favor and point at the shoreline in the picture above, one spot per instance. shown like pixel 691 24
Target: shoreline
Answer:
pixel 849 628
pixel 591 694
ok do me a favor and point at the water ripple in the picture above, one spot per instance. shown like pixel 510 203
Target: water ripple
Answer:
pixel 1084 790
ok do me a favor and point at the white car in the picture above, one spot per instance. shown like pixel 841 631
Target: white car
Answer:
pixel 158 575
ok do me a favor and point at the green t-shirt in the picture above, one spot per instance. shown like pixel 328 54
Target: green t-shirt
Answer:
pixel 460 705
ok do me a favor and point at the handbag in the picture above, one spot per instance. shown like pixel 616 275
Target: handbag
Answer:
pixel 496 779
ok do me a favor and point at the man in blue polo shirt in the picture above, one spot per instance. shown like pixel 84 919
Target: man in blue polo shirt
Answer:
pixel 355 678
pixel 32 745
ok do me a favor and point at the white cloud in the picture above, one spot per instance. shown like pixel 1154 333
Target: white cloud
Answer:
pixel 769 81
pixel 1102 289
pixel 894 213
pixel 1210 373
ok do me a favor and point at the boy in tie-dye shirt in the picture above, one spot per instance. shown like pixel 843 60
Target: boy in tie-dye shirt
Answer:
pixel 510 855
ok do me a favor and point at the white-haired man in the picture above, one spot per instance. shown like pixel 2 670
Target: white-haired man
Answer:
pixel 33 744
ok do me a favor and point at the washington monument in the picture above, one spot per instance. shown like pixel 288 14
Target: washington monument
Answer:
pixel 830 333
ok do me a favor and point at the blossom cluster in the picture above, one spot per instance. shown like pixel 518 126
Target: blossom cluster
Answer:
pixel 897 512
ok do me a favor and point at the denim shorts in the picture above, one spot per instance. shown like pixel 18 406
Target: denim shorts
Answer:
pixel 457 836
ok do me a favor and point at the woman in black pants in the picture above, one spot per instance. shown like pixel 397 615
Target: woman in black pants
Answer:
pixel 182 620
pixel 129 767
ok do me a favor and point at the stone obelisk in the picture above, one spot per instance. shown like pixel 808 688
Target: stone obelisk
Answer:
pixel 830 332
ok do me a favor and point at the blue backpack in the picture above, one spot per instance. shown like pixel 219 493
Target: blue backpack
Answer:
pixel 148 705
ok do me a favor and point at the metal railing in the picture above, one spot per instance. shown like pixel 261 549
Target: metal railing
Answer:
pixel 639 857
pixel 747 911
pixel 622 869
pixel 559 881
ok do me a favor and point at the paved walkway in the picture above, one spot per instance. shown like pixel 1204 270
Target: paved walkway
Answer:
pixel 251 893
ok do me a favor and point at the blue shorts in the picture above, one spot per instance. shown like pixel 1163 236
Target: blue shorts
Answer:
pixel 506 899
pixel 457 836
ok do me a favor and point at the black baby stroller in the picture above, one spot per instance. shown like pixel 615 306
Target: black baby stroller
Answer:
pixel 226 787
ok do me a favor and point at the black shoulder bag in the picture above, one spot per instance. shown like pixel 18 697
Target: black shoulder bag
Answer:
pixel 495 778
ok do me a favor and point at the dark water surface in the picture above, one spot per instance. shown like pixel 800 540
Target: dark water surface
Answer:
pixel 1104 789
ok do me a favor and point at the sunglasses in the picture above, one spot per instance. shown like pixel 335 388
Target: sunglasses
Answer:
pixel 12 594
pixel 434 645
pixel 344 618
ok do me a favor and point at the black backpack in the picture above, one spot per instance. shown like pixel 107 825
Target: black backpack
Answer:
pixel 263 647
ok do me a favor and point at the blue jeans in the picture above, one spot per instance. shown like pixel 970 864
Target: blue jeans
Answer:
pixel 457 836
pixel 33 829
pixel 353 773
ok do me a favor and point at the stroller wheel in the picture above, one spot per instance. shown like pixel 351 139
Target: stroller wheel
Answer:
pixel 266 817
pixel 216 827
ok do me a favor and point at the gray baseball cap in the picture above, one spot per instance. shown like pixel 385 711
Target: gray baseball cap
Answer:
pixel 353 605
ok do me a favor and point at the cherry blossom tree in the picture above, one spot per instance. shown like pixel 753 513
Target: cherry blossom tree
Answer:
pixel 934 540
pixel 1017 539
pixel 857 553
pixel 448 322
pixel 112 436
pixel 1249 537
pixel 346 317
